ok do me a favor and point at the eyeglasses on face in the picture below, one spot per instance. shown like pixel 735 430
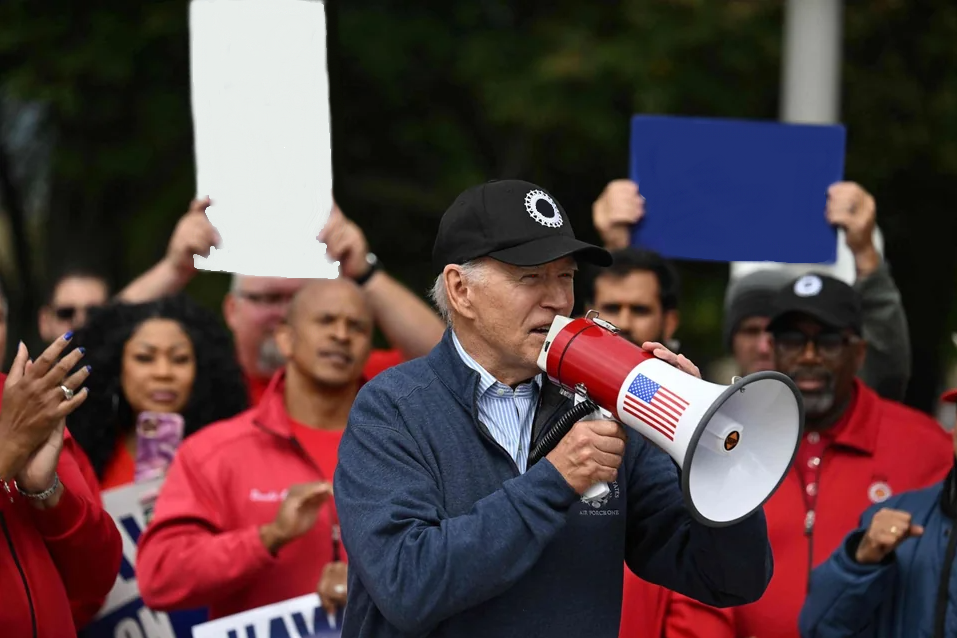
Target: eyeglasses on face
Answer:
pixel 265 298
pixel 67 313
pixel 827 344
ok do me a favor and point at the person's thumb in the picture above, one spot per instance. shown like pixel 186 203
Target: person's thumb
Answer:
pixel 916 530
pixel 19 367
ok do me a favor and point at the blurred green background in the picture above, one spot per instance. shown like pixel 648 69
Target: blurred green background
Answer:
pixel 97 162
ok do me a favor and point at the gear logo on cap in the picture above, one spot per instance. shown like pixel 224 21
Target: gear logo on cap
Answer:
pixel 808 286
pixel 531 205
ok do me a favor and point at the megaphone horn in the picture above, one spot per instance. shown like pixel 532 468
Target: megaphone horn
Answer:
pixel 733 444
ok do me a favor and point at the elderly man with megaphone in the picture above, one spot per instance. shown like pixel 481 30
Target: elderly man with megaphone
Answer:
pixel 478 496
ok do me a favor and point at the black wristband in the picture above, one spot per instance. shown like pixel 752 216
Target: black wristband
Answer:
pixel 374 267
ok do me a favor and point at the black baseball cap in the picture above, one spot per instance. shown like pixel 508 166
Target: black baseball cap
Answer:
pixel 513 221
pixel 825 298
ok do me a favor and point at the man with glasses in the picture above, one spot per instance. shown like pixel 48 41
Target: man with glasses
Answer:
pixel 71 298
pixel 858 450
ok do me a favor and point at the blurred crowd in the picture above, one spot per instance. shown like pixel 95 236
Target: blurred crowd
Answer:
pixel 259 396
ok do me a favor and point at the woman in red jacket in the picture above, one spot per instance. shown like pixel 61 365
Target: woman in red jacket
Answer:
pixel 58 544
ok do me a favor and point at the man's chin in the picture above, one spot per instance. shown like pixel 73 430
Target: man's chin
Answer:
pixel 817 404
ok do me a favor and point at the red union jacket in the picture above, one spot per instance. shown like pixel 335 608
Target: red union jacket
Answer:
pixel 202 547
pixel 57 565
pixel 885 448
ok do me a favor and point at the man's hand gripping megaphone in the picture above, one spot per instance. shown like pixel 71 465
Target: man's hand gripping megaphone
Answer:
pixel 589 455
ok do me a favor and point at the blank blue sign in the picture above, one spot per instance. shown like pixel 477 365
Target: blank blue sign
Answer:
pixel 736 190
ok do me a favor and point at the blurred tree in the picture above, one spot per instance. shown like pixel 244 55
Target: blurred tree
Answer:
pixel 428 99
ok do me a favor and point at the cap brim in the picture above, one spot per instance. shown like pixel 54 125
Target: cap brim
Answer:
pixel 542 251
pixel 820 314
pixel 950 396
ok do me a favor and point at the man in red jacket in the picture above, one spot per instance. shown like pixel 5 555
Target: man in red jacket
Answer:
pixel 245 517
pixel 858 450
pixel 61 551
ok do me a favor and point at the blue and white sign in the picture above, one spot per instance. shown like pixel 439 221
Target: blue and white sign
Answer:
pixel 301 617
pixel 123 614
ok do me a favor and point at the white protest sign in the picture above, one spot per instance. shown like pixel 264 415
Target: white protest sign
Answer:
pixel 301 617
pixel 263 141
pixel 123 614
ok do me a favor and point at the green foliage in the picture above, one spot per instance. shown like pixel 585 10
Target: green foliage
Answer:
pixel 431 97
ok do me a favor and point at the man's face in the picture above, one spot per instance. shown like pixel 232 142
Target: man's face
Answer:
pixel 633 304
pixel 328 335
pixel 72 299
pixel 822 362
pixel 515 306
pixel 751 346
pixel 252 313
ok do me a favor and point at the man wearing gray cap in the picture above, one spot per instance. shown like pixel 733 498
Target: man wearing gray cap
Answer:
pixel 887 364
pixel 449 532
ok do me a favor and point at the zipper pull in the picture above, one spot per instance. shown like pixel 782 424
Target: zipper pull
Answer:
pixel 809 523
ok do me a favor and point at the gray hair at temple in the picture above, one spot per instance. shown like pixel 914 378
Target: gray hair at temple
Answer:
pixel 471 271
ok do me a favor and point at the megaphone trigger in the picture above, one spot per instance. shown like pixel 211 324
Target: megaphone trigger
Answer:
pixel 733 445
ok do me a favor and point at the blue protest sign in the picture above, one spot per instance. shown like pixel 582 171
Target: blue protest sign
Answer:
pixel 123 614
pixel 735 190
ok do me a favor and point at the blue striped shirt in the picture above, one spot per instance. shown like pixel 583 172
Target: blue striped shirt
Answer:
pixel 507 413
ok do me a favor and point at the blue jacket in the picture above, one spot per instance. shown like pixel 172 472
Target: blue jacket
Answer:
pixel 446 538
pixel 896 598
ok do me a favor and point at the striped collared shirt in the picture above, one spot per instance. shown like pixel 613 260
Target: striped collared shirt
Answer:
pixel 507 413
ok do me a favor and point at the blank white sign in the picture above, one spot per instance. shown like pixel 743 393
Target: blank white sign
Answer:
pixel 260 97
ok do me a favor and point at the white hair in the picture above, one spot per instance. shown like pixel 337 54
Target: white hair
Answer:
pixel 472 271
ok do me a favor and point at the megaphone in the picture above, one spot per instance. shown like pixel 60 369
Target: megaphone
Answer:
pixel 733 444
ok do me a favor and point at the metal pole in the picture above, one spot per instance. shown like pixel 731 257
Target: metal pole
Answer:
pixel 811 66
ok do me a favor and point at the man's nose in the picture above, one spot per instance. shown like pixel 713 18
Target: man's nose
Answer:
pixel 340 331
pixel 809 353
pixel 556 297
pixel 764 343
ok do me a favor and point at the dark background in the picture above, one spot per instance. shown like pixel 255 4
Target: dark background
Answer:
pixel 96 163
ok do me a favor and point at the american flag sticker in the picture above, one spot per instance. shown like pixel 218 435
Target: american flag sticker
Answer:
pixel 655 404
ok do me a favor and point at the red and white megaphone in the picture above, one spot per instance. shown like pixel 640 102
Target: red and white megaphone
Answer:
pixel 734 444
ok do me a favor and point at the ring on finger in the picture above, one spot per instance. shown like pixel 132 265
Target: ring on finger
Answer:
pixel 339 589
pixel 893 529
pixel 67 392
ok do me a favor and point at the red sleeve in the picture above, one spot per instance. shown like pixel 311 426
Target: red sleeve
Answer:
pixel 185 558
pixel 380 360
pixel 687 618
pixel 82 539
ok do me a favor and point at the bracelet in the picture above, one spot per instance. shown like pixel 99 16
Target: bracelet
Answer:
pixel 45 494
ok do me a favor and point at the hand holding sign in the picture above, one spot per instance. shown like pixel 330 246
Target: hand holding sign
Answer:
pixel 345 243
pixel 296 515
pixel 853 209
pixel 194 235
pixel 619 207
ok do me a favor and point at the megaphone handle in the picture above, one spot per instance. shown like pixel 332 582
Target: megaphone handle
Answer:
pixel 597 491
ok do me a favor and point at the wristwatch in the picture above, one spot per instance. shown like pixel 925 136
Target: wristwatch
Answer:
pixel 374 266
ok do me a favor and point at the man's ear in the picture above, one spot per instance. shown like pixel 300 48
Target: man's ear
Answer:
pixel 672 320
pixel 860 354
pixel 457 289
pixel 284 339
pixel 229 310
